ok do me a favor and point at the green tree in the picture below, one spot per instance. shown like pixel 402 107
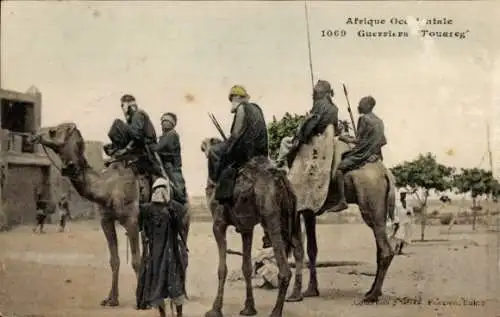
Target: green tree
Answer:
pixel 422 176
pixel 278 129
pixel 478 182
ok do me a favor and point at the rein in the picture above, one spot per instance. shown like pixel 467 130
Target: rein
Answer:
pixel 50 158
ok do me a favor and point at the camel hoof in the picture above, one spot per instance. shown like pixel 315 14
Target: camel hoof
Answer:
pixel 295 297
pixel 248 311
pixel 110 302
pixel 311 292
pixel 213 313
pixel 372 297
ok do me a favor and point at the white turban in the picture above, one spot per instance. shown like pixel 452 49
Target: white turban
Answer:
pixel 161 191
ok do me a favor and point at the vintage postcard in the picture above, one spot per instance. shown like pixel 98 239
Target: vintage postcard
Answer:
pixel 255 158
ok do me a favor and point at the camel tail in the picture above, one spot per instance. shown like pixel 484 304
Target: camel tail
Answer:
pixel 390 196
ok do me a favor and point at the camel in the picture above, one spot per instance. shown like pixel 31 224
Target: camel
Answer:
pixel 117 189
pixel 371 187
pixel 262 194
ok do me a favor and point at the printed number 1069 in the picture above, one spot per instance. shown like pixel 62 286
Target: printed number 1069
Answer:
pixel 333 33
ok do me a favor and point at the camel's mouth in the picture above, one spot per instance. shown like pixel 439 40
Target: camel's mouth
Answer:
pixel 47 137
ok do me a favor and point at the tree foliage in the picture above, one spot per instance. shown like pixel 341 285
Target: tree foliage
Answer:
pixel 420 177
pixel 424 174
pixel 477 181
pixel 278 129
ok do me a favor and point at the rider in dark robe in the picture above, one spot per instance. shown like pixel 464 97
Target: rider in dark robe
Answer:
pixel 323 113
pixel 367 146
pixel 165 256
pixel 248 139
pixel 169 150
pixel 136 135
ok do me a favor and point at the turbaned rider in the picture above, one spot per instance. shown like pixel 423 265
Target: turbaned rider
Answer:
pixel 169 150
pixel 248 139
pixel 134 135
pixel 323 113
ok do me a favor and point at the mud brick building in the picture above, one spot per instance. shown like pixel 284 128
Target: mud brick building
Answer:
pixel 25 169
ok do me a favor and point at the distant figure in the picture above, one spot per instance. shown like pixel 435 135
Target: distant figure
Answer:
pixel 402 224
pixel 41 213
pixel 445 199
pixel 63 206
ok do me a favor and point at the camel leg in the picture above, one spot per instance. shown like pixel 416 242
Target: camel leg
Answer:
pixel 219 230
pixel 132 228
pixel 284 274
pixel 108 227
pixel 246 268
pixel 385 254
pixel 312 253
pixel 161 310
pixel 298 255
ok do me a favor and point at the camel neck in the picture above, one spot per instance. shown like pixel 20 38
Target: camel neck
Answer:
pixel 87 183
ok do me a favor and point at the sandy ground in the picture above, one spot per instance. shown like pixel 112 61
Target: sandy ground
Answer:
pixel 67 274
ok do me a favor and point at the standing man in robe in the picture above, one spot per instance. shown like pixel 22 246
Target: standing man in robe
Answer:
pixel 165 256
pixel 169 150
pixel 64 213
pixel 248 139
pixel 367 146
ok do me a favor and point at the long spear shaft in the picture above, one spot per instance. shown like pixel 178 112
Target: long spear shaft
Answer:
pixel 349 109
pixel 309 44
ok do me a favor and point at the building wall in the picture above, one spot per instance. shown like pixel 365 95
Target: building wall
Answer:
pixel 21 186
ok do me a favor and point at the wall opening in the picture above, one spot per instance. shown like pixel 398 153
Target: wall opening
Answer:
pixel 18 118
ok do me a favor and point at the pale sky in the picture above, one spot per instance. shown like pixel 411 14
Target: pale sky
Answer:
pixel 433 95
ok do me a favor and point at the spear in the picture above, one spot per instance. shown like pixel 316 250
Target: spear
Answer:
pixel 349 109
pixel 309 44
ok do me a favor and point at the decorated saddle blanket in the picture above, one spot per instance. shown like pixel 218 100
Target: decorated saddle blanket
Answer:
pixel 310 173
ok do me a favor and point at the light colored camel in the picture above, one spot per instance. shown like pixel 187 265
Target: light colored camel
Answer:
pixel 262 194
pixel 371 187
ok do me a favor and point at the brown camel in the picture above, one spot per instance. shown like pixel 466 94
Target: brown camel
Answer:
pixel 262 194
pixel 118 189
pixel 371 187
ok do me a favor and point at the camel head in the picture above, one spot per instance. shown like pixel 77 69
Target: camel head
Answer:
pixel 66 141
pixel 208 144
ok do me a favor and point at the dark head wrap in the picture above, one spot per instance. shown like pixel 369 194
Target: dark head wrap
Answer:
pixel 127 98
pixel 322 89
pixel 169 114
pixel 366 104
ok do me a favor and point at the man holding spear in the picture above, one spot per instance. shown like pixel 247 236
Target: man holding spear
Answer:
pixel 368 143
